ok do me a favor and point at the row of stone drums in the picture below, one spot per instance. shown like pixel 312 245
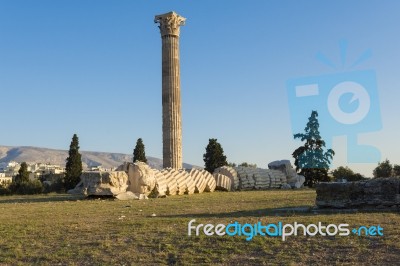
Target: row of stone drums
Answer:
pixel 178 182
pixel 141 180
pixel 247 178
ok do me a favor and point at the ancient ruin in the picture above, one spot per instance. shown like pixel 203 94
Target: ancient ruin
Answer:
pixel 140 181
pixel 374 193
pixel 171 92
pixel 280 175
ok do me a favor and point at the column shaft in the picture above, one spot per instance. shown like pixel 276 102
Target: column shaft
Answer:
pixel 171 103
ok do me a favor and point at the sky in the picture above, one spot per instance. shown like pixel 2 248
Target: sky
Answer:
pixel 94 68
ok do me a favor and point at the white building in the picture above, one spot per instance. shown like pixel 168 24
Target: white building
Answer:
pixel 12 168
pixel 37 169
pixel 101 168
pixel 5 180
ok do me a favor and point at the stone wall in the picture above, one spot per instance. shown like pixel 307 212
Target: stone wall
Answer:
pixel 379 192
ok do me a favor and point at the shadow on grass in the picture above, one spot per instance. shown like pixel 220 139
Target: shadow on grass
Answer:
pixel 281 212
pixel 39 198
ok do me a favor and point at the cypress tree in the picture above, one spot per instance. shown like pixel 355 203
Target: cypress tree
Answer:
pixel 214 156
pixel 73 167
pixel 23 174
pixel 138 152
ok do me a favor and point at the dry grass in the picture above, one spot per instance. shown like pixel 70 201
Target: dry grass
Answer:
pixel 63 230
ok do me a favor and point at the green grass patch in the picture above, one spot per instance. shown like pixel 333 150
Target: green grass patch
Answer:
pixel 68 230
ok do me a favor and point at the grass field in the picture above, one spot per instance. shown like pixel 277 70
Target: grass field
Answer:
pixel 65 230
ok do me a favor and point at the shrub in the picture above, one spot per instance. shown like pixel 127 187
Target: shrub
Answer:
pixel 27 187
pixel 4 191
pixel 56 186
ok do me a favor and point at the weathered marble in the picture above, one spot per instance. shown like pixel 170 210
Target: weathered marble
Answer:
pixel 129 195
pixel 141 178
pixel 169 25
pixel 223 182
pixel 292 178
pixel 101 183
pixel 231 173
pixel 199 180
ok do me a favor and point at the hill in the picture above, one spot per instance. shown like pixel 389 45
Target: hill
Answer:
pixel 89 158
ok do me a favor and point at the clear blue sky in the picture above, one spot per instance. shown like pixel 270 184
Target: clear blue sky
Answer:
pixel 94 68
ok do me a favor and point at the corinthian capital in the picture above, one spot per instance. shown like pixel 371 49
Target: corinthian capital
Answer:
pixel 169 23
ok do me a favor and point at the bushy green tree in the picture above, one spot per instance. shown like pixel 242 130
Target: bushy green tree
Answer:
pixel 23 185
pixel 73 167
pixel 139 152
pixel 347 173
pixel 384 169
pixel 311 159
pixel 214 156
pixel 396 170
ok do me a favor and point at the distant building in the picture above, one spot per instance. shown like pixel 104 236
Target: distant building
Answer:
pixel 101 169
pixel 5 180
pixel 41 169
pixel 37 170
pixel 11 169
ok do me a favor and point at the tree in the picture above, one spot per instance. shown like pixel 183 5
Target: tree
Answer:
pixel 396 170
pixel 347 173
pixel 232 164
pixel 23 174
pixel 246 164
pixel 214 156
pixel 384 169
pixel 23 185
pixel 73 167
pixel 138 152
pixel 310 158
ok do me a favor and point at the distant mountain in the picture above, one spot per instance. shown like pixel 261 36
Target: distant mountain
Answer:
pixel 89 158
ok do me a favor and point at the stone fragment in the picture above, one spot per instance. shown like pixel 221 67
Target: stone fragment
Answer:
pixel 129 195
pixel 246 177
pixel 231 173
pixel 180 177
pixel 161 183
pixel 172 186
pixel 199 180
pixel 102 183
pixel 141 178
pixel 292 178
pixel 190 184
pixel 262 179
pixel 210 181
pixel 223 182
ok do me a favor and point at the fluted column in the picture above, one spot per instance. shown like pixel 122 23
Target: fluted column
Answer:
pixel 171 95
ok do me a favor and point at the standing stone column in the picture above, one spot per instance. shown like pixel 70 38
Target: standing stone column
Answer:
pixel 171 94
